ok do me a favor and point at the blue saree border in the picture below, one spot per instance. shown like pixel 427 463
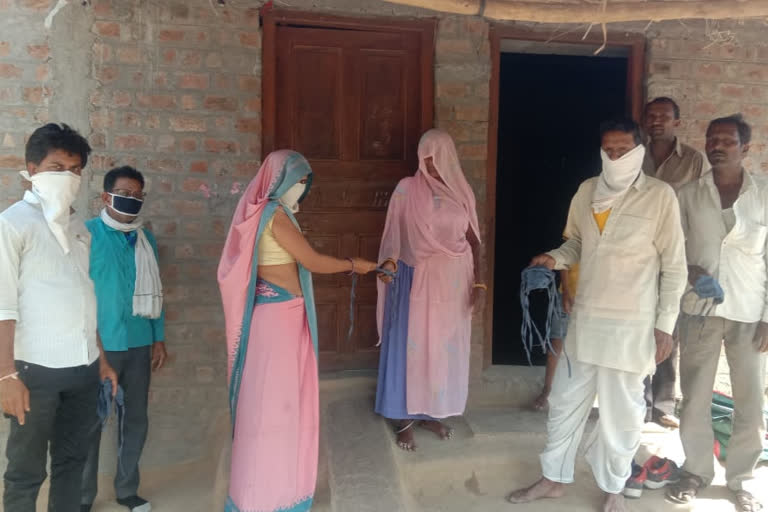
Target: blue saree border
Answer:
pixel 304 506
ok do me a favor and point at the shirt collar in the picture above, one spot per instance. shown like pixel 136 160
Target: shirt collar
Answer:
pixel 678 147
pixel 708 180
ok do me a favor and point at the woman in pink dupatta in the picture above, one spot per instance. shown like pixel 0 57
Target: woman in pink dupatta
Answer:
pixel 266 288
pixel 431 239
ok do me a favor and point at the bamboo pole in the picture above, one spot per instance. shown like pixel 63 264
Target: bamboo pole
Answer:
pixel 553 12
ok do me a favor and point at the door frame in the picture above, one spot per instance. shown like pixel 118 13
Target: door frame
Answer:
pixel 272 18
pixel 634 44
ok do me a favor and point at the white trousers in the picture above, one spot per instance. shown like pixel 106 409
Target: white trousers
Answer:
pixel 612 445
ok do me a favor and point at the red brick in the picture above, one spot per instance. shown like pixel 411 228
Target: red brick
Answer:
pixel 193 184
pixel 250 39
pixel 8 94
pixel 168 56
pixel 249 125
pixel 247 168
pixel 11 162
pixel 250 83
pixel 106 74
pixel 122 98
pixel 708 71
pixel 193 80
pixel 223 82
pixel 187 124
pixel 220 103
pixel 102 8
pixel 198 167
pixel 253 105
pixel 160 79
pixel 35 95
pixel 165 101
pixel 129 55
pixel 191 60
pixel 10 71
pixel 473 151
pixel 471 112
pixel 37 51
pixel 129 142
pixel 166 165
pixel 189 102
pixel 107 29
pixel 705 109
pixel 5 48
pixel 452 90
pixel 733 91
pixel 167 36
pixel 187 207
pixel 753 112
pixel 131 120
pixel 102 119
pixel 220 146
pixel 189 145
pixel 41 73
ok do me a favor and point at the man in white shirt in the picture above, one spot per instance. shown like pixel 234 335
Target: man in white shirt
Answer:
pixel 672 161
pixel 50 356
pixel 725 219
pixel 624 231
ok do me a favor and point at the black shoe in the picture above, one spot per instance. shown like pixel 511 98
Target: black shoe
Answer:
pixel 86 507
pixel 135 503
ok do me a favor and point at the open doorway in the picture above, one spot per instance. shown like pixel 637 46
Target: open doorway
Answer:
pixel 552 99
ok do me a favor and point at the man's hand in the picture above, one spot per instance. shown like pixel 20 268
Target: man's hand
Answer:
pixel 159 355
pixel 543 260
pixel 664 345
pixel 694 273
pixel 761 337
pixel 14 398
pixel 567 300
pixel 384 277
pixel 107 372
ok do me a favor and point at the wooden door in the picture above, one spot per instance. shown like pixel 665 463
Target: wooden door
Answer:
pixel 349 100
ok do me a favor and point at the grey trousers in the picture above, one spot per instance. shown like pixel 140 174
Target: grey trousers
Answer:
pixel 700 343
pixel 133 368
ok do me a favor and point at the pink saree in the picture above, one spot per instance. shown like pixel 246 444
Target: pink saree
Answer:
pixel 272 363
pixel 426 229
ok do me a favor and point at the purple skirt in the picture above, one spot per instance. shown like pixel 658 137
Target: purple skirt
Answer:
pixel 390 390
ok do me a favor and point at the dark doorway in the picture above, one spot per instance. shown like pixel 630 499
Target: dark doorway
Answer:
pixel 550 109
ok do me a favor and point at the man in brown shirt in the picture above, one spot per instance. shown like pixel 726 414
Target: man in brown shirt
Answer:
pixel 676 163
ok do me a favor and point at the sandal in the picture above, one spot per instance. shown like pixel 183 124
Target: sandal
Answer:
pixel 407 445
pixel 686 489
pixel 746 502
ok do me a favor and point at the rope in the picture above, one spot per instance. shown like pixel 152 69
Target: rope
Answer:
pixel 353 297
pixel 539 278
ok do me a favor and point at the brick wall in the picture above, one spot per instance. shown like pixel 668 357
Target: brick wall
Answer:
pixel 24 87
pixel 713 79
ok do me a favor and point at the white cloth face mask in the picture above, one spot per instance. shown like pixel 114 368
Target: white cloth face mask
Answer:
pixel 290 199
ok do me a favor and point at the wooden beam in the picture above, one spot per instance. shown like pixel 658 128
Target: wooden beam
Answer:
pixel 554 12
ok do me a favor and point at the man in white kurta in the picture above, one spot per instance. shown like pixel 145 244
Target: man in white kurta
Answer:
pixel 624 230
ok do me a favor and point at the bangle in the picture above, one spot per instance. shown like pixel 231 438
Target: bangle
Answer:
pixel 393 262
pixel 14 376
pixel 353 266
pixel 480 285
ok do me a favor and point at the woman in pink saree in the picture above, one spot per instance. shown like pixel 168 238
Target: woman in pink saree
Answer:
pixel 431 238
pixel 266 288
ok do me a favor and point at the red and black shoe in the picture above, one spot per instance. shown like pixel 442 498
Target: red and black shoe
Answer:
pixel 661 472
pixel 634 486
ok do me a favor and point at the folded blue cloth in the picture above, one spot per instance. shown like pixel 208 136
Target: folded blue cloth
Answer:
pixel 105 408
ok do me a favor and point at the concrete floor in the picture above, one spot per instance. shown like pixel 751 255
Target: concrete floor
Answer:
pixel 493 451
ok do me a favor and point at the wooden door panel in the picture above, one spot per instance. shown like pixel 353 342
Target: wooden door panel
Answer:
pixel 351 102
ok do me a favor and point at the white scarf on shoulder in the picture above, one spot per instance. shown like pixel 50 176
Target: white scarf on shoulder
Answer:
pixel 148 292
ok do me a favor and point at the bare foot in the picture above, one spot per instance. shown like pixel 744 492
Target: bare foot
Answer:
pixel 542 401
pixel 440 429
pixel 542 489
pixel 614 503
pixel 404 433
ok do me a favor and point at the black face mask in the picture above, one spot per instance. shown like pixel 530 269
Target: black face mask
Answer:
pixel 126 205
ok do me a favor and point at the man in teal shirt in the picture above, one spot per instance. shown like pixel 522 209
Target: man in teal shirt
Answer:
pixel 129 294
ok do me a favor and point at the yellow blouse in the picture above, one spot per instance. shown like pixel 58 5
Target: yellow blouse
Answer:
pixel 271 252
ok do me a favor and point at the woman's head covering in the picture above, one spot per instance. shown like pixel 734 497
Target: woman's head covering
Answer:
pixel 237 271
pixel 439 145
